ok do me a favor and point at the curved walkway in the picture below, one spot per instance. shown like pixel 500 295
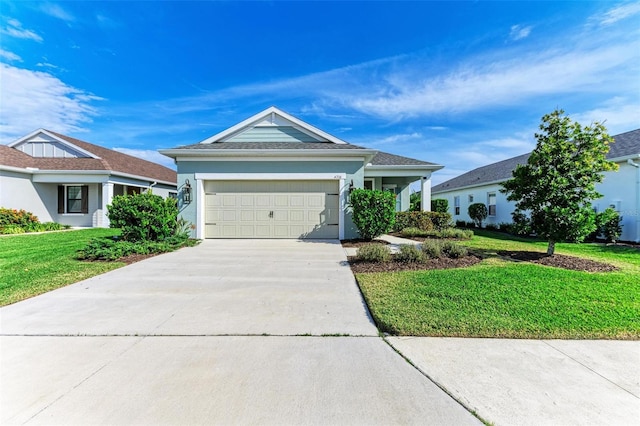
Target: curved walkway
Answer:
pixel 228 332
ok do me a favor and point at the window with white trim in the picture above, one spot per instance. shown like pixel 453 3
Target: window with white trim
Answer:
pixel 491 202
pixel 456 205
pixel 470 198
pixel 73 199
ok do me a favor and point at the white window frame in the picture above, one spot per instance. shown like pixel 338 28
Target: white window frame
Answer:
pixel 456 205
pixel 495 204
pixel 66 199
pixel 373 183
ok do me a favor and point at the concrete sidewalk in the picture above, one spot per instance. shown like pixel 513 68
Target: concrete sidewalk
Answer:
pixel 178 339
pixel 534 382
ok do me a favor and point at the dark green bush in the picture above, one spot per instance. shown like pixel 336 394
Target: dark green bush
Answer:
pixel 440 205
pixel 491 227
pixel 608 224
pixel 374 253
pixel 425 221
pixel 478 212
pixel 111 249
pixel 373 212
pixel 143 217
pixel 409 253
pixel 461 224
pixel 415 202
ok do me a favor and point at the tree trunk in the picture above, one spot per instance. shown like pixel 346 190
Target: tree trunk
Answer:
pixel 551 248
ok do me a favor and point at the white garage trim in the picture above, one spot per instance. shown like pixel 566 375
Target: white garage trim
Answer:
pixel 201 177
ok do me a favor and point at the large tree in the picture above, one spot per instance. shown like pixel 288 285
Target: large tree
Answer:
pixel 554 189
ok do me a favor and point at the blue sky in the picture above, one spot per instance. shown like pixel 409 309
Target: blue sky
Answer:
pixel 461 84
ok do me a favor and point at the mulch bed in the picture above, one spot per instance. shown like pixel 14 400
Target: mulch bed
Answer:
pixel 559 261
pixel 359 267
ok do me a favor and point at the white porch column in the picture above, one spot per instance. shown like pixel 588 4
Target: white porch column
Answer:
pixel 425 193
pixel 107 196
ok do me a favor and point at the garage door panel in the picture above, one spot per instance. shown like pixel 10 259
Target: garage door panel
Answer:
pixel 271 209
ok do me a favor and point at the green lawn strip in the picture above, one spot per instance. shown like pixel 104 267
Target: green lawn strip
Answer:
pixel 34 264
pixel 504 299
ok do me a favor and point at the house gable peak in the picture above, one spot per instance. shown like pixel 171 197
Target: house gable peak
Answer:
pixel 273 125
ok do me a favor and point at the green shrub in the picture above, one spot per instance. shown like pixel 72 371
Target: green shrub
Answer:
pixel 461 224
pixel 454 250
pixel 413 232
pixel 608 224
pixel 440 205
pixel 425 221
pixel 143 217
pixel 12 229
pixel 432 249
pixel 463 234
pixel 409 253
pixel 21 218
pixel 110 249
pixel 478 212
pixel 373 212
pixel 374 253
pixel 491 227
pixel 415 202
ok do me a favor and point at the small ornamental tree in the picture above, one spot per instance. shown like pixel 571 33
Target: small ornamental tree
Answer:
pixel 478 212
pixel 554 189
pixel 440 205
pixel 374 212
pixel 143 217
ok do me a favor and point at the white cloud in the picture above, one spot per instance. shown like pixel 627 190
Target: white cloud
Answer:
pixel 618 13
pixel 518 32
pixel 14 29
pixel 34 99
pixel 10 56
pixel 149 155
pixel 618 115
pixel 481 85
pixel 56 11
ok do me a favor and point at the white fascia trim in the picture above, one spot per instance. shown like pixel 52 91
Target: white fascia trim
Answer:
pixel 62 141
pixel 182 154
pixel 100 172
pixel 270 176
pixel 406 167
pixel 271 159
pixel 264 114
pixel 418 173
pixel 18 169
pixel 624 158
pixel 460 188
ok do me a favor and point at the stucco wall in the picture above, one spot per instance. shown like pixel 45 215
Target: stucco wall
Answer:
pixel 480 195
pixel 187 169
pixel 18 192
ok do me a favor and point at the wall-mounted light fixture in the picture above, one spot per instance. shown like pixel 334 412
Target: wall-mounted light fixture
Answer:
pixel 351 186
pixel 186 192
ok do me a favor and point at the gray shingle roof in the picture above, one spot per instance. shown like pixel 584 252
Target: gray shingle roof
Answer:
pixel 386 159
pixel 381 159
pixel 625 144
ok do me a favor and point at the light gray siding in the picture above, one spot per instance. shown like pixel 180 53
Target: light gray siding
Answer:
pixel 272 134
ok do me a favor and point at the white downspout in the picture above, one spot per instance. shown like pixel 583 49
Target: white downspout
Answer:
pixel 637 166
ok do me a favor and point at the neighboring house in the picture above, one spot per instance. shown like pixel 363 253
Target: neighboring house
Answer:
pixel 620 189
pixel 66 180
pixel 275 176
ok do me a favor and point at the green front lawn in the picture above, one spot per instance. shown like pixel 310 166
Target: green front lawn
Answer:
pixel 500 298
pixel 34 264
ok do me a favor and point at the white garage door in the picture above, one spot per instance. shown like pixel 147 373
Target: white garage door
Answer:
pixel 271 209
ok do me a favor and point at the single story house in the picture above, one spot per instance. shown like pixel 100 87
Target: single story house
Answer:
pixel 620 189
pixel 275 176
pixel 69 181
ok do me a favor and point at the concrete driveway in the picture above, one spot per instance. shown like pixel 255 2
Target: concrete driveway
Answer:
pixel 229 332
